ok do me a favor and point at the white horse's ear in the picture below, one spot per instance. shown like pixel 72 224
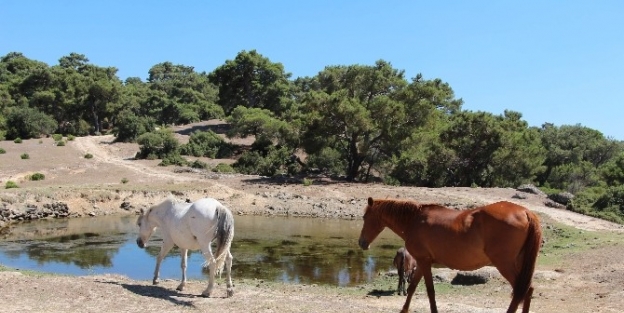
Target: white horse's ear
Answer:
pixel 142 211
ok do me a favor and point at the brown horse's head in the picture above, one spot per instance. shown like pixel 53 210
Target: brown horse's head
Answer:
pixel 372 225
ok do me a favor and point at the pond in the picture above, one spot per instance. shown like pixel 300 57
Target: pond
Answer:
pixel 285 249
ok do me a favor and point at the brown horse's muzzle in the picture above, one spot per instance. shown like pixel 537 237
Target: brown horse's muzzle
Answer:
pixel 140 243
pixel 363 244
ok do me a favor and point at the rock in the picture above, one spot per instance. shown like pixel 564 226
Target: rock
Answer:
pixel 529 188
pixel 562 197
pixel 552 204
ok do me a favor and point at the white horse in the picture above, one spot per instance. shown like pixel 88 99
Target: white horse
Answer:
pixel 191 226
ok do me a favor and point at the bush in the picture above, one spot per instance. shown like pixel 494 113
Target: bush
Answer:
pixel 25 156
pixel 2 151
pixel 26 122
pixel 88 156
pixel 223 168
pixel 10 184
pixel 37 176
pixel 198 164
pixel 124 180
pixel 71 137
pixel 604 203
pixel 60 143
pixel 17 140
pixel 57 137
pixel 157 145
pixel 307 182
pixel 207 144
pixel 173 159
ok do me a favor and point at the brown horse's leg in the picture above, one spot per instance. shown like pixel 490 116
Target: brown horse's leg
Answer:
pixel 410 290
pixel 527 301
pixel 429 285
pixel 510 273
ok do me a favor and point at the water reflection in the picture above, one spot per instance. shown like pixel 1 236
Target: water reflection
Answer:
pixel 291 250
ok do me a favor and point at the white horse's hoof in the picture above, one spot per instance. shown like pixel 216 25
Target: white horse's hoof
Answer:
pixel 154 282
pixel 230 292
pixel 180 288
pixel 205 294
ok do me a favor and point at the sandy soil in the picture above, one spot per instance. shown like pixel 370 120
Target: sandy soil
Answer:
pixel 588 280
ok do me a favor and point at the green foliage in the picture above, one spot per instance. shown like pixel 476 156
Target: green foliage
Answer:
pixel 10 184
pixel 2 151
pixel 88 156
pixel 223 168
pixel 199 164
pixel 57 137
pixel 124 180
pixel 173 159
pixel 612 172
pixel 307 182
pixel 605 203
pixel 25 156
pixel 269 162
pixel 327 160
pixel 259 122
pixel 160 144
pixel 71 138
pixel 252 81
pixel 130 126
pixel 25 122
pixel 17 140
pixel 60 143
pixel 37 176
pixel 207 144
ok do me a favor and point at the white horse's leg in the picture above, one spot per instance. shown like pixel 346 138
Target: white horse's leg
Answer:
pixel 164 249
pixel 228 268
pixel 183 254
pixel 211 262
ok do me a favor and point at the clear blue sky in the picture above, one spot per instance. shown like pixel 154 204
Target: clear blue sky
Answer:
pixel 554 61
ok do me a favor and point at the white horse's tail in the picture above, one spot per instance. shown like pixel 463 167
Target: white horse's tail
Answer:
pixel 224 234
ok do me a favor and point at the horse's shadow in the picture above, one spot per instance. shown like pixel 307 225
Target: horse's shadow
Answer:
pixel 158 292
pixel 381 293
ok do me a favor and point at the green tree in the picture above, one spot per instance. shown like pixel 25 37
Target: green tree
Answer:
pixel 252 81
pixel 25 122
pixel 180 95
pixel 574 144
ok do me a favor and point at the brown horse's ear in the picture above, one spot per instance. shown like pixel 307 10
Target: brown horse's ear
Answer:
pixel 370 201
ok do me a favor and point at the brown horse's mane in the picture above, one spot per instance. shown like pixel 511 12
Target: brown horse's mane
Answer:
pixel 399 207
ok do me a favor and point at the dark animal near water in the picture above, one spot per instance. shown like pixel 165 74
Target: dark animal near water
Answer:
pixel 405 265
pixel 502 234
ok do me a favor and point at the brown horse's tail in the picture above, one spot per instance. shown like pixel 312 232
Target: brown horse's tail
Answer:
pixel 530 250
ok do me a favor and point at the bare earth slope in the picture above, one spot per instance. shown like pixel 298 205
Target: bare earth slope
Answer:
pixel 590 280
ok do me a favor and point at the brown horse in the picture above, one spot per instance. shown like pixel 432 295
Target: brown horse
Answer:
pixel 405 265
pixel 502 234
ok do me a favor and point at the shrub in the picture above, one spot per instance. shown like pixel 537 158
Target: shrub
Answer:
pixel 198 164
pixel 37 176
pixel 307 182
pixel 25 156
pixel 207 144
pixel 2 151
pixel 60 143
pixel 223 168
pixel 10 184
pixel 71 137
pixel 17 140
pixel 173 159
pixel 88 156
pixel 57 137
pixel 124 180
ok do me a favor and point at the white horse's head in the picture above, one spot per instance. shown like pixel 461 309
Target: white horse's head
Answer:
pixel 146 228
